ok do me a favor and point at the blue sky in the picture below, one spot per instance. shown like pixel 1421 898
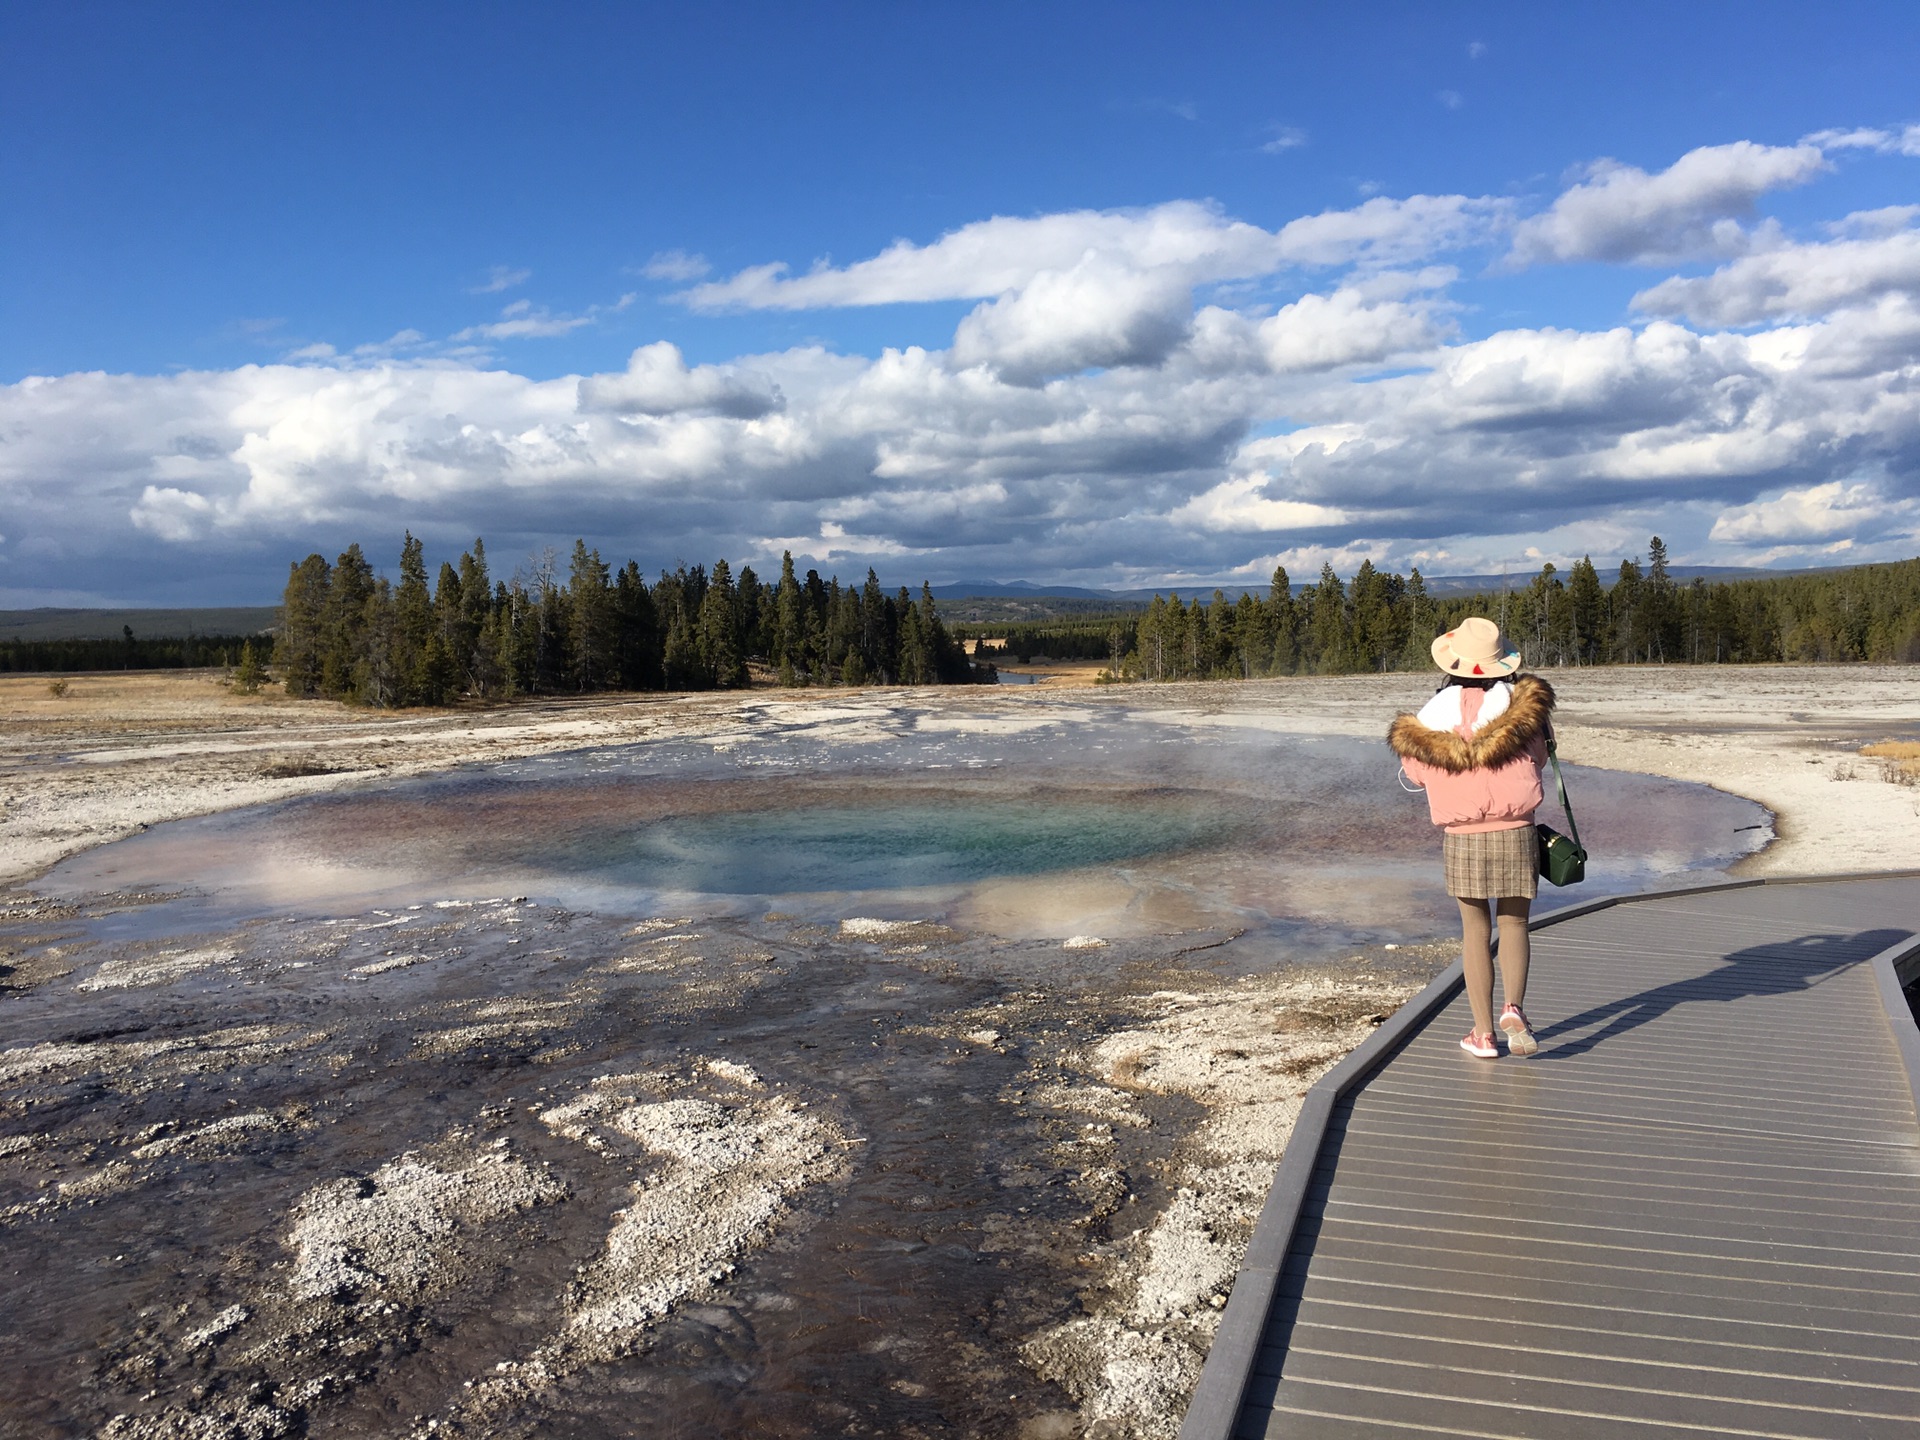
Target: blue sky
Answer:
pixel 296 275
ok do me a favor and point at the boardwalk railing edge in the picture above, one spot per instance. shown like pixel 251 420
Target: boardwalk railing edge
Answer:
pixel 1894 969
pixel 1215 1407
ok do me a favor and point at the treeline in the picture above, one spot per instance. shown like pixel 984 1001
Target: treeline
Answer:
pixel 127 653
pixel 1108 639
pixel 1385 621
pixel 350 634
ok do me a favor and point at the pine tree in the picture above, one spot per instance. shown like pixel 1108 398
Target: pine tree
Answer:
pixel 377 677
pixel 349 606
pixel 1173 633
pixel 638 619
pixel 1151 641
pixel 477 590
pixel 1330 626
pixel 915 665
pixel 1285 624
pixel 490 675
pixel 822 601
pixel 518 634
pixel 593 639
pixel 718 638
pixel 1662 604
pixel 790 621
pixel 1629 613
pixel 301 645
pixel 553 619
pixel 753 613
pixel 843 632
pixel 248 674
pixel 1252 637
pixel 449 628
pixel 1541 608
pixel 874 641
pixel 476 608
pixel 950 663
pixel 1587 615
pixel 1422 627
pixel 412 618
pixel 434 673
pixel 1372 619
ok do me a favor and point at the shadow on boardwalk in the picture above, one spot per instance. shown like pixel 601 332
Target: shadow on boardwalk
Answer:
pixel 1777 969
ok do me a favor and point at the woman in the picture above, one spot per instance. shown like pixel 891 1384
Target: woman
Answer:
pixel 1477 748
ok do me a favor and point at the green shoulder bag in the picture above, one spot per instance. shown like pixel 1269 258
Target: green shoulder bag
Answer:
pixel 1562 861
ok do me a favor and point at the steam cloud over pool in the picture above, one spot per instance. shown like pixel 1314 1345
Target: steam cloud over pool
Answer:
pixel 1148 828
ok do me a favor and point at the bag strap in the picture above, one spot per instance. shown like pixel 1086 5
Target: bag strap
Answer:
pixel 1553 755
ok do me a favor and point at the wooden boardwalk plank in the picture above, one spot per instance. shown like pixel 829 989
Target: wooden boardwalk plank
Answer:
pixel 1564 1324
pixel 1697 1211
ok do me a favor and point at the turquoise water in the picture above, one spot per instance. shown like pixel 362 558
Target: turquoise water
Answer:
pixel 889 843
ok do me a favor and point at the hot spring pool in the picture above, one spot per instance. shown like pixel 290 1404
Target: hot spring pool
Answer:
pixel 1102 824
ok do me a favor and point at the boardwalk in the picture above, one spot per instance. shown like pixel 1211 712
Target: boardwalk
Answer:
pixel 1696 1211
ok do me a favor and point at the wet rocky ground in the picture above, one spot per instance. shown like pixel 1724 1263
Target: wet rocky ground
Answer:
pixel 494 1168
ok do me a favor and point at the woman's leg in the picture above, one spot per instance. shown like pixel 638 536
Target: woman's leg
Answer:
pixel 1476 935
pixel 1514 949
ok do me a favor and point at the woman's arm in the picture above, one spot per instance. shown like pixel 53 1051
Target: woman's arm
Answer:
pixel 1415 773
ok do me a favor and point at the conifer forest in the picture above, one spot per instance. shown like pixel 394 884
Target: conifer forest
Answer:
pixel 130 652
pixel 1383 621
pixel 349 634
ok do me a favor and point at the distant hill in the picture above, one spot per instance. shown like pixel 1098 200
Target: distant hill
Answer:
pixel 989 600
pixel 997 589
pixel 52 624
pixel 1609 572
pixel 1026 609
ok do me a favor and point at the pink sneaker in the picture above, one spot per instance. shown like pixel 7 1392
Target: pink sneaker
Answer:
pixel 1481 1045
pixel 1520 1039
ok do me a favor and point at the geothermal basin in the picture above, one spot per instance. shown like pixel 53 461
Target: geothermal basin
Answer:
pixel 848 1075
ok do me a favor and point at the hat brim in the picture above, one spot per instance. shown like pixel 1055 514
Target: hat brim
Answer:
pixel 1495 668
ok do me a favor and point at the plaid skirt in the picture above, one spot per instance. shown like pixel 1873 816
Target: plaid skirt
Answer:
pixel 1493 864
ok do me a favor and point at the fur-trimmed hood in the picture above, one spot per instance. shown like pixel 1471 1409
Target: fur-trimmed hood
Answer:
pixel 1501 739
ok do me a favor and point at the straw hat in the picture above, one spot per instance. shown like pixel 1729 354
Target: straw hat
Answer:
pixel 1475 647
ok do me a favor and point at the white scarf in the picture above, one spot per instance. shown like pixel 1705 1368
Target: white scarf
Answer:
pixel 1442 712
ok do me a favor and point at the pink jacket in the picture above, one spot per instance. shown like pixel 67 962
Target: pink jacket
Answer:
pixel 1480 775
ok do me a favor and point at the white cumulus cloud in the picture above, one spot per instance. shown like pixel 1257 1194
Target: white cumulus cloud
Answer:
pixel 170 513
pixel 1183 239
pixel 1836 511
pixel 1795 280
pixel 658 381
pixel 1692 209
pixel 1348 327
pixel 1094 315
